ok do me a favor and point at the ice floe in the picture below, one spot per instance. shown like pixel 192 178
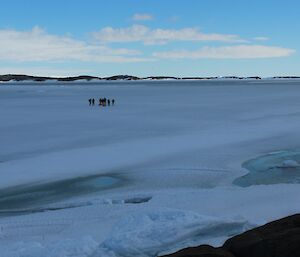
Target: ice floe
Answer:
pixel 147 233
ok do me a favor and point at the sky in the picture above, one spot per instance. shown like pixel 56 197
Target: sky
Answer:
pixel 150 37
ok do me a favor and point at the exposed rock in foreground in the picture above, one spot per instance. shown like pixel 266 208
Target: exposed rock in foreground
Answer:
pixel 202 251
pixel 280 238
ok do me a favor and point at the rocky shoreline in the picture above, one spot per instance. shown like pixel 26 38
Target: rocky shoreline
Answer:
pixel 18 77
pixel 280 238
pixel 28 78
pixel 24 78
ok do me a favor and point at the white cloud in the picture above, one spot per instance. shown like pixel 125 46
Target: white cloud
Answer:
pixel 142 17
pixel 140 33
pixel 44 71
pixel 261 38
pixel 228 52
pixel 38 45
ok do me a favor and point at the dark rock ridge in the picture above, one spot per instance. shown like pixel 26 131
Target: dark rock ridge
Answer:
pixel 122 77
pixel 27 78
pixel 13 77
pixel 160 78
pixel 87 78
pixel 280 238
pixel 286 77
pixel 16 77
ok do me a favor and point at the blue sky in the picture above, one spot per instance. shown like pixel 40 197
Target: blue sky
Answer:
pixel 150 37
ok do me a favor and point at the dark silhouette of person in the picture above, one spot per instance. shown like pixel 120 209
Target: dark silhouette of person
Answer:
pixel 100 101
pixel 93 101
pixel 113 101
pixel 108 102
pixel 104 101
pixel 90 101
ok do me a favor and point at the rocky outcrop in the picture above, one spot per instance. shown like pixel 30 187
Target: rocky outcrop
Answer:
pixel 202 251
pixel 87 78
pixel 279 238
pixel 286 77
pixel 122 77
pixel 161 78
pixel 16 77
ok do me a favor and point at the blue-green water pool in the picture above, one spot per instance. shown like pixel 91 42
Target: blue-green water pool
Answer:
pixel 274 168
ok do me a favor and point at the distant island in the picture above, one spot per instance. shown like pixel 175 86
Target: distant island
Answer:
pixel 28 78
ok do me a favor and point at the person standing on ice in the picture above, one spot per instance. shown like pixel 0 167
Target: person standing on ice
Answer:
pixel 102 102
pixel 90 101
pixel 1 232
pixel 108 102
pixel 93 101
pixel 113 101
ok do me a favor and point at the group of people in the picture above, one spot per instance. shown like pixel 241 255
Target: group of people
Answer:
pixel 102 102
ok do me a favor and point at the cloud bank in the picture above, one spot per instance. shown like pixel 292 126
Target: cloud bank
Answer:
pixel 149 36
pixel 228 52
pixel 142 17
pixel 37 45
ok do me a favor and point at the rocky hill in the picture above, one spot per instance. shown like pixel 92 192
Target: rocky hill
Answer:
pixel 279 238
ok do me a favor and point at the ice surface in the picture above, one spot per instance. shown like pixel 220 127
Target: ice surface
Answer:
pixel 82 247
pixel 146 234
pixel 289 164
pixel 273 168
pixel 28 198
pixel 179 145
